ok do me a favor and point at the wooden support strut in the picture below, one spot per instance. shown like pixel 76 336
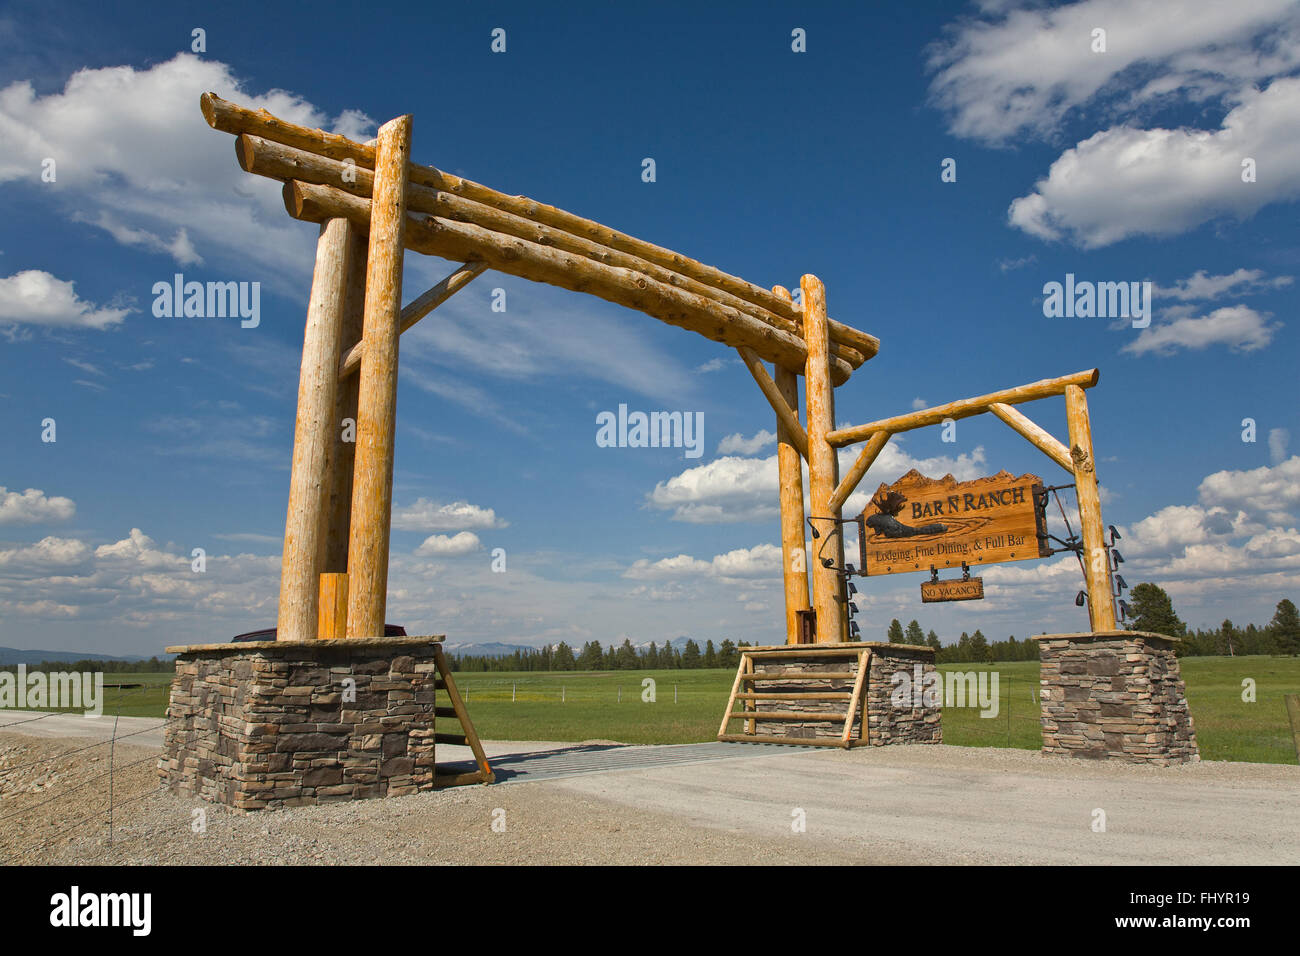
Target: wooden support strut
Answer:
pixel 1039 437
pixel 866 458
pixel 469 738
pixel 786 416
pixel 465 242
pixel 372 484
pixel 822 467
pixel 417 310
pixel 232 118
pixel 306 526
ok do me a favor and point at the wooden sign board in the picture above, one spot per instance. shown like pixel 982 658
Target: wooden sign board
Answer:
pixel 953 589
pixel 918 523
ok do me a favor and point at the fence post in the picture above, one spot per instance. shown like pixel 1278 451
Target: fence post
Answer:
pixel 1293 715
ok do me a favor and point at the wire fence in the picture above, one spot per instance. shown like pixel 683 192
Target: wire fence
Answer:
pixel 12 819
pixel 550 690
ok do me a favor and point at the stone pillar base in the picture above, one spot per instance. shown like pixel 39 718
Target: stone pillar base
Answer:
pixel 269 724
pixel 1115 695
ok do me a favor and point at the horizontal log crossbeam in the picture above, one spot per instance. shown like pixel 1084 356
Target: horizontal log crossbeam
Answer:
pixel 465 242
pixel 270 146
pixel 273 160
pixel 877 434
pixel 964 408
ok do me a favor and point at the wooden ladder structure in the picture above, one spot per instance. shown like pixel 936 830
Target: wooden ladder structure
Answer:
pixel 443 681
pixel 752 679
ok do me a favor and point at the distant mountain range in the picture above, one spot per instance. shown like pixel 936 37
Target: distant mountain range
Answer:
pixel 497 649
pixel 489 649
pixel 12 655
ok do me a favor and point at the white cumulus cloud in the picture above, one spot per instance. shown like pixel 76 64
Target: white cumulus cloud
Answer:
pixel 33 506
pixel 441 545
pixel 738 444
pixel 427 515
pixel 1237 327
pixel 34 297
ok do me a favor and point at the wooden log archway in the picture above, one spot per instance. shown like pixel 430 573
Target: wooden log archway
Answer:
pixel 1077 459
pixel 372 203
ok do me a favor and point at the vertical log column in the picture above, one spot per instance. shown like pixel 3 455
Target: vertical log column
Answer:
pixel 342 457
pixel 793 538
pixel 1101 605
pixel 372 478
pixel 306 523
pixel 822 467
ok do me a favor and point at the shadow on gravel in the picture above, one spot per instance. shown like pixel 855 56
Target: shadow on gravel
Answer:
pixel 536 764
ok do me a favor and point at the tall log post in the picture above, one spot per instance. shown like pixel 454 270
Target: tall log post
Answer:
pixel 342 458
pixel 1101 605
pixel 794 551
pixel 823 472
pixel 307 520
pixel 372 478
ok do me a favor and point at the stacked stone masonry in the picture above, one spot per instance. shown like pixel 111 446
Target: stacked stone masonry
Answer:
pixel 913 721
pixel 283 724
pixel 1116 695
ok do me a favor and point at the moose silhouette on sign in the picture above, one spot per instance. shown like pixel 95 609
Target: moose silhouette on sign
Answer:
pixel 889 504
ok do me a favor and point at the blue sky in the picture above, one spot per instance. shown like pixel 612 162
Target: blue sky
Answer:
pixel 175 433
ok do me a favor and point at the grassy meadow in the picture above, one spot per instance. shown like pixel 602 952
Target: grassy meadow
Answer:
pixel 608 705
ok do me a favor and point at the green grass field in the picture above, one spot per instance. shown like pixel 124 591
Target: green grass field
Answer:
pixel 592 709
pixel 607 705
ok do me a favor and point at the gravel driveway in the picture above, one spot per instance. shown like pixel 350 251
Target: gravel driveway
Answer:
pixel 939 805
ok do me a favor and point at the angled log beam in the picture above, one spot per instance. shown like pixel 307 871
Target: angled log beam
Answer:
pixel 785 415
pixel 264 157
pixel 417 310
pixel 866 458
pixel 465 242
pixel 232 118
pixel 964 408
pixel 1037 436
pixel 372 480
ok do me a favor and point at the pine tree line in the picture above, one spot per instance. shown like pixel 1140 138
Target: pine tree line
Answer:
pixel 152 666
pixel 1152 611
pixel 594 657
